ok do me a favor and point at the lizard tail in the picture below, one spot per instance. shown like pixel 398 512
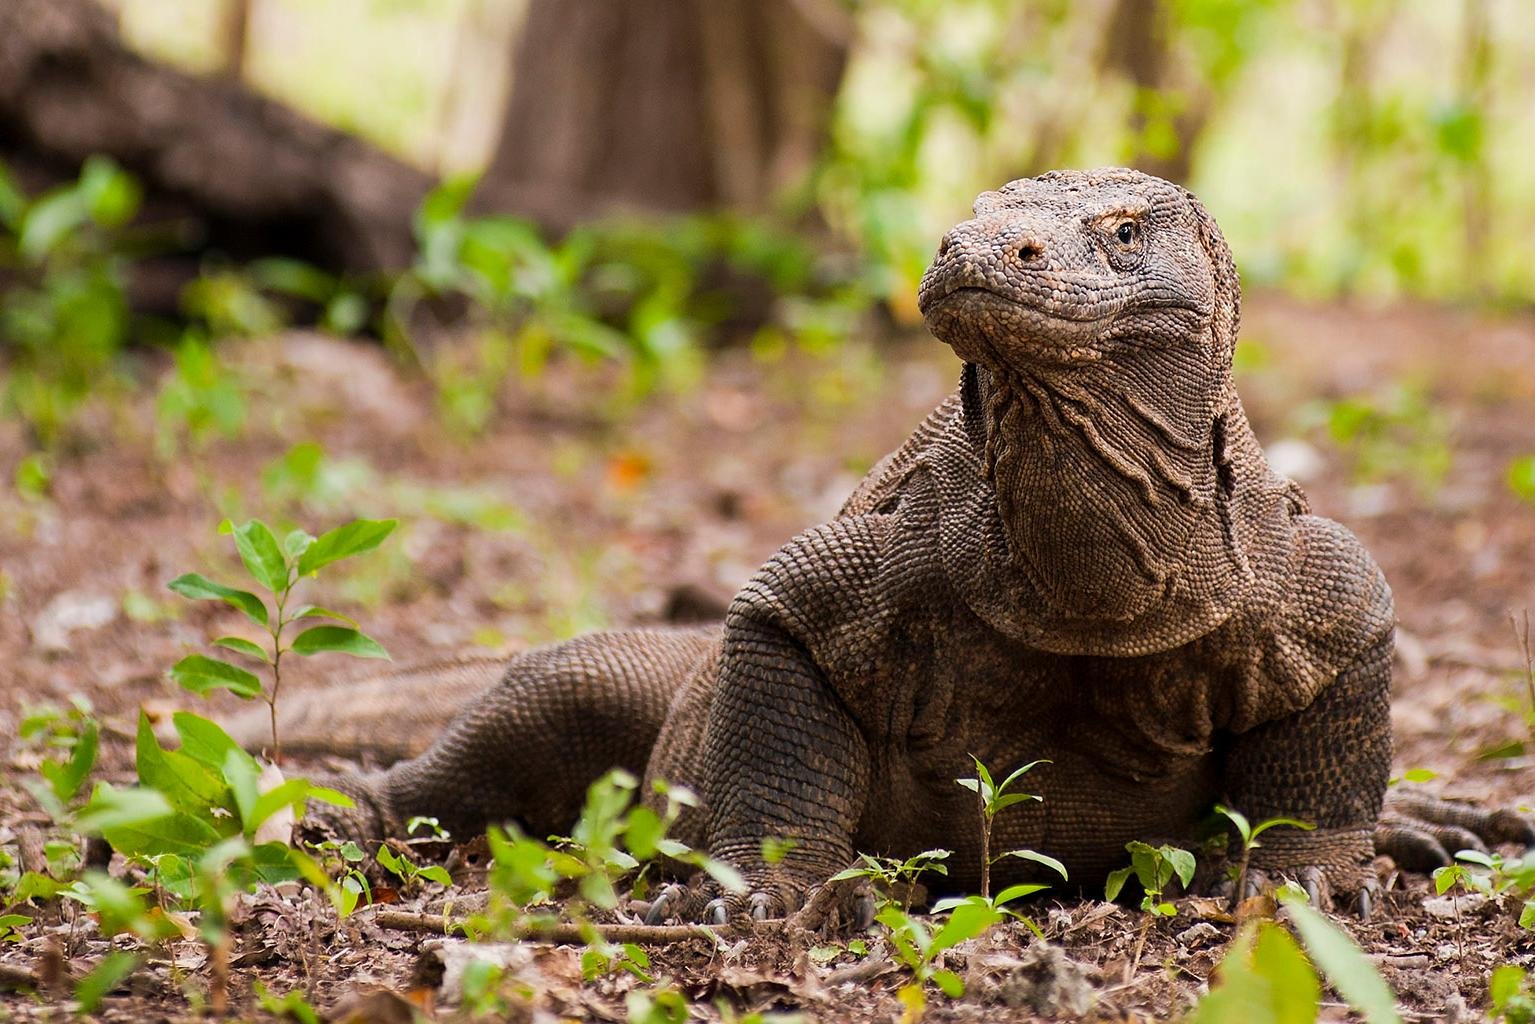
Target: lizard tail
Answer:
pixel 385 717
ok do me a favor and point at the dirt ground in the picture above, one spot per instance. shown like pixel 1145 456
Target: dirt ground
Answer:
pixel 569 513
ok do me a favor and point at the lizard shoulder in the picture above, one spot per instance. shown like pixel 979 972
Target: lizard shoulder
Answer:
pixel 1328 609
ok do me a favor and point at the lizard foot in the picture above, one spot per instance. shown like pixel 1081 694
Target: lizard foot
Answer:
pixel 364 820
pixel 1332 865
pixel 769 896
pixel 1422 833
pixel 1321 890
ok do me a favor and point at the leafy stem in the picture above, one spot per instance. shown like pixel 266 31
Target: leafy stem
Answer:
pixel 277 569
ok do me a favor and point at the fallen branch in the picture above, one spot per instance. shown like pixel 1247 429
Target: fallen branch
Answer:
pixel 560 934
pixel 17 979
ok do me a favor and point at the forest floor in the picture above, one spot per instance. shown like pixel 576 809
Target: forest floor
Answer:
pixel 565 516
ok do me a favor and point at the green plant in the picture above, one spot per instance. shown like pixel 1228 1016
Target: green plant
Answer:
pixel 1265 977
pixel 291 1004
pixel 612 838
pixel 1511 997
pixel 200 397
pixel 661 1006
pixel 1154 867
pixel 1521 478
pixel 63 307
pixel 408 871
pixel 994 799
pixel 1397 432
pixel 1248 834
pixel 920 949
pixel 895 878
pixel 279 569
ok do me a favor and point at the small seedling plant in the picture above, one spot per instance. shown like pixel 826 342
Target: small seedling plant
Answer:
pixel 1511 996
pixel 278 569
pixel 994 799
pixel 920 949
pixel 1266 975
pixel 613 838
pixel 895 880
pixel 1154 867
pixel 1248 833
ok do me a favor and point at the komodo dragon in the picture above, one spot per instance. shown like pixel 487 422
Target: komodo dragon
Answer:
pixel 1080 555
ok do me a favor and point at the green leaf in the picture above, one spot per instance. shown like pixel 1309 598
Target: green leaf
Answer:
pixel 643 831
pixel 1266 982
pixel 966 921
pixel 296 543
pixel 1116 882
pixel 314 612
pixel 1445 878
pixel 353 538
pixel 242 646
pixel 244 778
pixel 1265 825
pixel 1355 978
pixel 67 777
pixel 49 221
pixel 1008 799
pixel 1237 818
pixel 723 873
pixel 1040 858
pixel 293 793
pixel 1419 775
pixel 188 784
pixel 1504 984
pixel 111 808
pixel 1527 915
pixel 436 873
pixel 1015 892
pixel 103 978
pixel 201 588
pixel 201 674
pixel 949 982
pixel 342 639
pixel 111 195
pixel 261 554
pixel 203 740
pixel 1019 773
pixel 1182 862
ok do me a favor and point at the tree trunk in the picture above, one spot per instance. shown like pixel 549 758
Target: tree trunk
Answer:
pixel 664 105
pixel 254 176
pixel 1166 117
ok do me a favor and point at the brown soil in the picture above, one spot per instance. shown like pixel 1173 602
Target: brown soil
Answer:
pixel 608 517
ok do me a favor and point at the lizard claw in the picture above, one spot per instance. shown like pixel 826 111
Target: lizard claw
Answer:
pixel 863 911
pixel 1422 833
pixel 667 903
pixel 715 912
pixel 760 906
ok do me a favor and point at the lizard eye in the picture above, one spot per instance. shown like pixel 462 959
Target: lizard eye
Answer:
pixel 1126 232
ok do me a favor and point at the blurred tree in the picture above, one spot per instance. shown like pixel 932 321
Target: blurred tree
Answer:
pixel 664 105
pixel 245 175
pixel 236 33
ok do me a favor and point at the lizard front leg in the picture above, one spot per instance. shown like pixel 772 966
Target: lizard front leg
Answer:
pixel 1327 765
pixel 783 761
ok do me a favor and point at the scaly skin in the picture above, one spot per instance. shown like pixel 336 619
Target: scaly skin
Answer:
pixel 1081 556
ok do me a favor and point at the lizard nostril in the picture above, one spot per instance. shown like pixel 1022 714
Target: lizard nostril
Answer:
pixel 1030 251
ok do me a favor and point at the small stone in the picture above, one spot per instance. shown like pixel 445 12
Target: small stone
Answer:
pixel 1199 934
pixel 1447 908
pixel 68 612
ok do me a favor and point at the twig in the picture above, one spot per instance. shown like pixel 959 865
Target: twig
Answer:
pixel 17 979
pixel 560 934
pixel 813 914
pixel 864 970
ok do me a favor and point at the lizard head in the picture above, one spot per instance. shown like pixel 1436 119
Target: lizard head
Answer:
pixel 1063 268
